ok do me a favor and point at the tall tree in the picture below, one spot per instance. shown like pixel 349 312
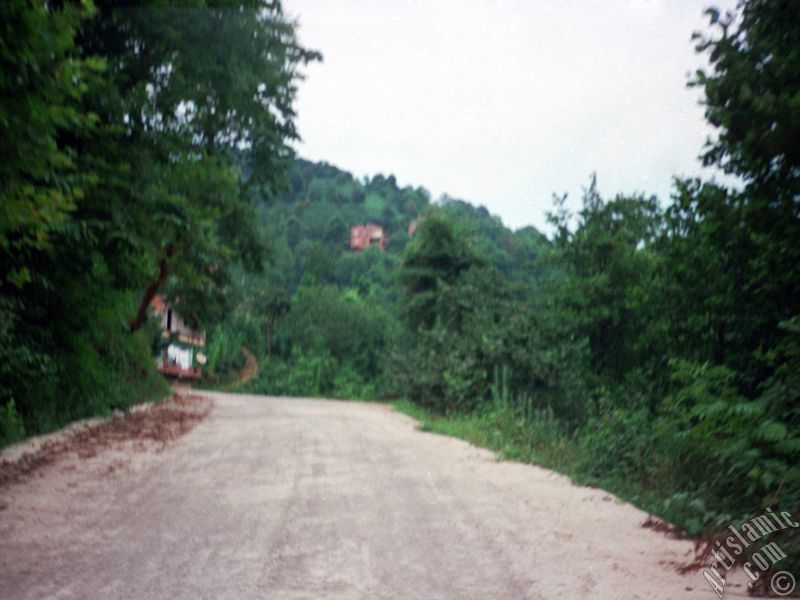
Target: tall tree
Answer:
pixel 197 109
pixel 752 98
pixel 752 93
pixel 133 137
pixel 40 86
pixel 436 257
pixel 603 272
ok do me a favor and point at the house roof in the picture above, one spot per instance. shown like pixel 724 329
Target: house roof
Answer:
pixel 158 303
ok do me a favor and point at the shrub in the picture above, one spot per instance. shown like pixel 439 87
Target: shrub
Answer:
pixel 11 429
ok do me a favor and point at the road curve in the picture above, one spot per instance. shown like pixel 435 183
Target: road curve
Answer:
pixel 296 498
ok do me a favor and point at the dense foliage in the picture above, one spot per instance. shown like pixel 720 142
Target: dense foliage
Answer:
pixel 326 318
pixel 132 139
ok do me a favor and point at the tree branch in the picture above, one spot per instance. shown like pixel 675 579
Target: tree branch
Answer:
pixel 151 290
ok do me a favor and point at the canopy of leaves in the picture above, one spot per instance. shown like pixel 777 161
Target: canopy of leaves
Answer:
pixel 133 138
pixel 752 93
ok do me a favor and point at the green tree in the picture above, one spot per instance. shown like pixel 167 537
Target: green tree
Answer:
pixel 134 139
pixel 186 88
pixel 752 97
pixel 603 272
pixel 271 303
pixel 40 90
pixel 435 257
pixel 752 93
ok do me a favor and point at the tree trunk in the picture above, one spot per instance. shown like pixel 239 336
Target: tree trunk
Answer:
pixel 151 290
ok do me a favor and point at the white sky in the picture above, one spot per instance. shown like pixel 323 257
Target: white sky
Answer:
pixel 504 102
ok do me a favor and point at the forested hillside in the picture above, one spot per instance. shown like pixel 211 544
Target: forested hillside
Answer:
pixel 326 316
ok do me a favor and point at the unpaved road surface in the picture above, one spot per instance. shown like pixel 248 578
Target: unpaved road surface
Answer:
pixel 293 498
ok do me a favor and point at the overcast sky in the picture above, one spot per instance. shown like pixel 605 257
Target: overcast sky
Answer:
pixel 504 103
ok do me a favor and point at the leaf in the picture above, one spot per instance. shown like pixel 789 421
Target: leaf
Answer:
pixel 772 431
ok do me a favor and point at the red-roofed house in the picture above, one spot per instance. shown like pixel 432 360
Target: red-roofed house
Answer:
pixel 364 236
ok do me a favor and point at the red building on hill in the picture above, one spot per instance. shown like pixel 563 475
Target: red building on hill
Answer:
pixel 364 236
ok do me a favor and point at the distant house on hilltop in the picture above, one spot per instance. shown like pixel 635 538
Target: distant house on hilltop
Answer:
pixel 364 236
pixel 181 353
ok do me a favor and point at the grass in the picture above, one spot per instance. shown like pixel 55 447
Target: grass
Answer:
pixel 537 441
pixel 542 441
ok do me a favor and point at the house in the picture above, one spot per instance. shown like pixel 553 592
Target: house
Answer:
pixel 181 351
pixel 364 236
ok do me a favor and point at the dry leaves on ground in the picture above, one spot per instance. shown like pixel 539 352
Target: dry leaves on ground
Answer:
pixel 148 427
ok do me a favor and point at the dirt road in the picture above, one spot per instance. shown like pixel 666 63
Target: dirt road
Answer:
pixel 289 498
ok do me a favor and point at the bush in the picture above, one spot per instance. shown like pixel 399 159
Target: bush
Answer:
pixel 304 374
pixel 615 444
pixel 11 429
